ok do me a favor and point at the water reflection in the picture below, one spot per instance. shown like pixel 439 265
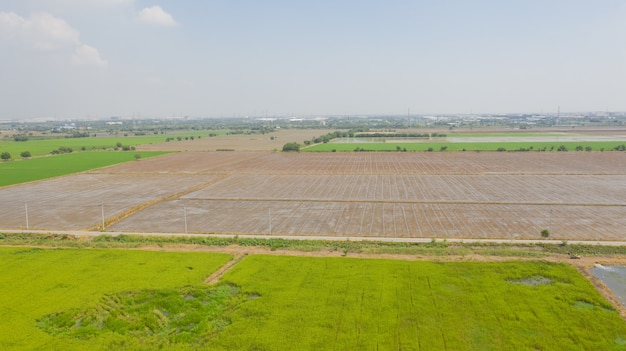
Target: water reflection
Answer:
pixel 614 277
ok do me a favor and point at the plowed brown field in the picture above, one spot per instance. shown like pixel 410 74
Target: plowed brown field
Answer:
pixel 576 195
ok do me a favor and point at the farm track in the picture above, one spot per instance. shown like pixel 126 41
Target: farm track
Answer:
pixel 121 216
pixel 414 202
pixel 217 275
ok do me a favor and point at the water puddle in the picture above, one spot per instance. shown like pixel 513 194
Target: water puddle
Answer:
pixel 614 277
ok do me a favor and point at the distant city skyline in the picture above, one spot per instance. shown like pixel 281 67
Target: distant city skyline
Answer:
pixel 101 58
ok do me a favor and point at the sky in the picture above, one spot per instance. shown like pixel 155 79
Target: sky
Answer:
pixel 74 59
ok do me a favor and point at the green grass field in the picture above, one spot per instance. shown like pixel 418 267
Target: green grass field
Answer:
pixel 39 147
pixel 358 304
pixel 21 171
pixel 469 146
pixel 504 134
pixel 142 300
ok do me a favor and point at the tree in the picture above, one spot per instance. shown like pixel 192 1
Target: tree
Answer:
pixel 545 233
pixel 291 147
pixel 5 156
pixel 25 154
pixel 137 157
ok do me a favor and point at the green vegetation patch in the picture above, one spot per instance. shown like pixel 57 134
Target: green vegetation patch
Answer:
pixel 433 247
pixel 157 317
pixel 361 304
pixel 53 285
pixel 506 134
pixel 23 171
pixel 40 147
pixel 144 300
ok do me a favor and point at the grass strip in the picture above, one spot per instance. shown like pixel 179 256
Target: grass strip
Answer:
pixel 432 248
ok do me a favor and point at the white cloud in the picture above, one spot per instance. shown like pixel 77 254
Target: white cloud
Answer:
pixel 86 55
pixel 45 32
pixel 41 31
pixel 156 16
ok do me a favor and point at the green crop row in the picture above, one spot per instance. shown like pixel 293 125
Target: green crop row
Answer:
pixel 21 171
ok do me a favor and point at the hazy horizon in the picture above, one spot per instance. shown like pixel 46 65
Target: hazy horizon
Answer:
pixel 100 58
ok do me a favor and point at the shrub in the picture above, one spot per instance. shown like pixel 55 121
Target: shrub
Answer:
pixel 545 233
pixel 5 156
pixel 25 154
pixel 291 147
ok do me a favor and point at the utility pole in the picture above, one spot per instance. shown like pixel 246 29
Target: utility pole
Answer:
pixel 26 210
pixel 102 208
pixel 185 212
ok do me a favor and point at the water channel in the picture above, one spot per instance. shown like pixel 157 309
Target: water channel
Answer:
pixel 614 277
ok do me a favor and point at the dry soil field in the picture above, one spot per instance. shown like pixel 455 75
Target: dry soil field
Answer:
pixel 240 142
pixel 576 195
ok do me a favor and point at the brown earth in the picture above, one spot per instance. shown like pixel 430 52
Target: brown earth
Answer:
pixel 273 141
pixel 464 195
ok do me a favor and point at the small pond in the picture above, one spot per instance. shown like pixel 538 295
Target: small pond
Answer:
pixel 614 277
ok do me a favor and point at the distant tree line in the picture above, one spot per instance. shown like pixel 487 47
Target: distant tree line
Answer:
pixel 78 135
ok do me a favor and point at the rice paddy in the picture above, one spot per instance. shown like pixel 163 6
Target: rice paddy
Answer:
pixel 144 300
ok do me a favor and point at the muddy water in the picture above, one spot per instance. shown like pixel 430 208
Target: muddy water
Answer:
pixel 614 277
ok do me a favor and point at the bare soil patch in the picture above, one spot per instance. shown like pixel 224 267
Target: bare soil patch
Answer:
pixel 464 195
pixel 273 141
